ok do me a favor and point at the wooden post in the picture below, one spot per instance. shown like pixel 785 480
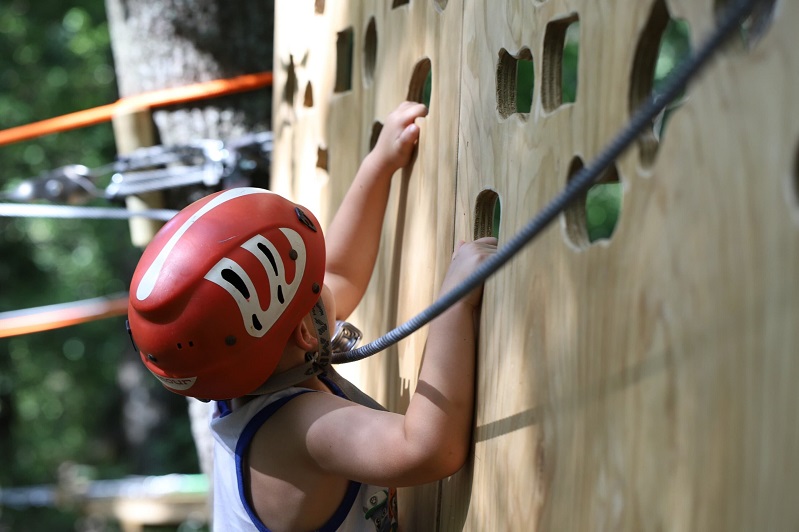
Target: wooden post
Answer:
pixel 133 128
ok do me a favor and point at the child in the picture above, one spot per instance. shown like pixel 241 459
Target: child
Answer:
pixel 233 301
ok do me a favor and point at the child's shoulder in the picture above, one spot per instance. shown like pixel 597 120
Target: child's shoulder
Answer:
pixel 318 429
pixel 294 411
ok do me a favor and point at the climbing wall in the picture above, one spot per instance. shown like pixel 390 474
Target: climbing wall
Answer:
pixel 640 380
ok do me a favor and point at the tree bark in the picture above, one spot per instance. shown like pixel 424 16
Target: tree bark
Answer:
pixel 160 44
pixel 167 43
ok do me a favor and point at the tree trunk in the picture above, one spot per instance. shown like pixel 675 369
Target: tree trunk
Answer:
pixel 160 44
pixel 167 43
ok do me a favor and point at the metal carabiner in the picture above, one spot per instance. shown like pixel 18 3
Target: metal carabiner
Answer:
pixel 346 337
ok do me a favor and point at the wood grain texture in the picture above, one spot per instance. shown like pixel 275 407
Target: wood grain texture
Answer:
pixel 638 383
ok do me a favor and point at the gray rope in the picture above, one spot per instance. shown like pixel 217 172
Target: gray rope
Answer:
pixel 674 84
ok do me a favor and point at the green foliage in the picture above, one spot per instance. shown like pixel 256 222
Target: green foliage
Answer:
pixel 59 395
pixel 675 47
pixel 571 61
pixel 427 90
pixel 602 210
pixel 55 58
pixel 525 81
pixel 41 519
pixel 496 218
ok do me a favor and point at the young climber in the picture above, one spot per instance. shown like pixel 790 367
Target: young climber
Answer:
pixel 234 301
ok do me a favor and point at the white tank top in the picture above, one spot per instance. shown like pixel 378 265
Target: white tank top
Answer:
pixel 363 508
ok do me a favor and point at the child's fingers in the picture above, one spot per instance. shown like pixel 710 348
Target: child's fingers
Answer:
pixel 458 246
pixel 410 134
pixel 418 109
pixel 490 240
pixel 410 111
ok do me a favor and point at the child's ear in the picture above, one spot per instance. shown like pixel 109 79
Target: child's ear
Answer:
pixel 303 337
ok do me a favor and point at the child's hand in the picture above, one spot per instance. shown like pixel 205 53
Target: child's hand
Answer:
pixel 399 135
pixel 468 256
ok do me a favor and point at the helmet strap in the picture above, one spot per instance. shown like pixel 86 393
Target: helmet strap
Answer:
pixel 316 363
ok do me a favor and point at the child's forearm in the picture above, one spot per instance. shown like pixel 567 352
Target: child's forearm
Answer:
pixel 353 237
pixel 439 416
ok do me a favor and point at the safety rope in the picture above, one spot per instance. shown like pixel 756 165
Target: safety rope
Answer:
pixel 729 20
pixel 157 98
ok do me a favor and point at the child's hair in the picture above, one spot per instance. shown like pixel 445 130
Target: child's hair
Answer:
pixel 221 287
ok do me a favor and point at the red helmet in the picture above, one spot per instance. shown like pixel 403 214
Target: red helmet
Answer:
pixel 221 287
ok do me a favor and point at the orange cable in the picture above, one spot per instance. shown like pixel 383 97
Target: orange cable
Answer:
pixel 50 317
pixel 158 98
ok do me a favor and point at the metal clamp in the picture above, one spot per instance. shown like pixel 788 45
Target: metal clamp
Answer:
pixel 346 337
pixel 206 163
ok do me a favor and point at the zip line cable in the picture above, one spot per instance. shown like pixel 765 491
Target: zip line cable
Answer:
pixel 35 210
pixel 156 98
pixel 729 20
pixel 38 319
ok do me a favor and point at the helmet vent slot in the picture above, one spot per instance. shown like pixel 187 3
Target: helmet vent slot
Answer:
pixel 280 294
pixel 256 323
pixel 237 282
pixel 265 250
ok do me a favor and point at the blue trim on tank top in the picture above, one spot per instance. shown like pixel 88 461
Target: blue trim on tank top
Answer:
pixel 244 441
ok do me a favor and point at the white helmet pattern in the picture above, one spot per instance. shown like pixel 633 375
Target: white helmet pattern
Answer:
pixel 230 276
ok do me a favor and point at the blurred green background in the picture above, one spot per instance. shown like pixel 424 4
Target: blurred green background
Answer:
pixel 73 395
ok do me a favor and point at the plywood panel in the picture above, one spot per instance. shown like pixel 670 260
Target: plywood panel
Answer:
pixel 629 385
pixel 640 383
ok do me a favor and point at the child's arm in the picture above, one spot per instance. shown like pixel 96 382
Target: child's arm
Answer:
pixel 353 238
pixel 432 440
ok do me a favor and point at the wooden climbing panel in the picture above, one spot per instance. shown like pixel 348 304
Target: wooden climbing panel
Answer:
pixel 637 379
